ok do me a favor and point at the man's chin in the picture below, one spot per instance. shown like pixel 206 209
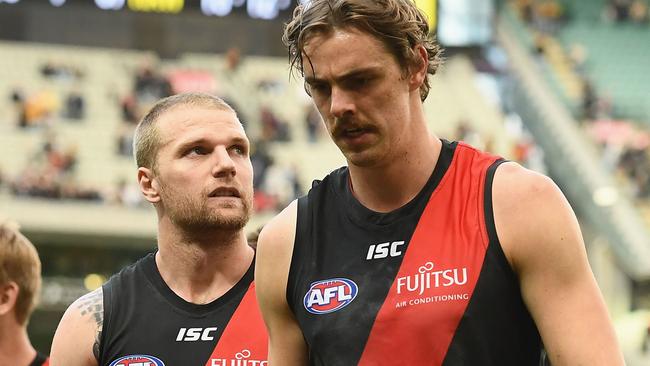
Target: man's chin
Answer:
pixel 223 222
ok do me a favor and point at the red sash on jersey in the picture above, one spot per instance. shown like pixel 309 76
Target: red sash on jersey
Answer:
pixel 245 336
pixel 436 279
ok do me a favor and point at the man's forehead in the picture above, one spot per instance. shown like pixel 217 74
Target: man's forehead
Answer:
pixel 193 122
pixel 348 48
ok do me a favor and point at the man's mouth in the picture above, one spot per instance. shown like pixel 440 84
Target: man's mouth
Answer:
pixel 352 131
pixel 225 192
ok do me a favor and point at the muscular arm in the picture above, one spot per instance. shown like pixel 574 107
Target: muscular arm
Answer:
pixel 275 246
pixel 76 341
pixel 541 238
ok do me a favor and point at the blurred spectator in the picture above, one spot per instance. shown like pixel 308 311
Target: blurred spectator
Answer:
pixel 17 95
pixel 639 12
pixel 464 132
pixel 282 185
pixel 261 160
pixel 129 109
pixel 62 72
pixel 525 8
pixel 75 105
pixel 40 107
pixel 539 47
pixel 125 140
pixel 548 15
pixel 18 101
pixel 273 128
pixel 635 163
pixel 617 10
pixel 578 56
pixel 589 100
pixel 128 194
pixel 149 85
pixel 233 59
pixel 50 174
pixel 313 123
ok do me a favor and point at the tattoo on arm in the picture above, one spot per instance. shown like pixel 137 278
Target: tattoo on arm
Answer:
pixel 92 306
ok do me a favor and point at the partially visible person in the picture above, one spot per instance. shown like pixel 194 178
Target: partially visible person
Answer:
pixel 20 283
pixel 192 302
pixel 420 251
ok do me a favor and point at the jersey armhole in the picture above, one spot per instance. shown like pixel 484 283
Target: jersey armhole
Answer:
pixel 107 294
pixel 488 213
pixel 303 219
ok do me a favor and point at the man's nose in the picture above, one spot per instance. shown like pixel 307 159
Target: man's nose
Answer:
pixel 341 103
pixel 223 166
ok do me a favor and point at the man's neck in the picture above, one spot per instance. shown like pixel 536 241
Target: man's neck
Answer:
pixel 15 348
pixel 396 182
pixel 202 269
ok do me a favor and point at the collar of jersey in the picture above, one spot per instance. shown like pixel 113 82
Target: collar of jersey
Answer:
pixel 365 217
pixel 234 294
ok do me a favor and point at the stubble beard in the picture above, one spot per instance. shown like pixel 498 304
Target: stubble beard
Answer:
pixel 194 215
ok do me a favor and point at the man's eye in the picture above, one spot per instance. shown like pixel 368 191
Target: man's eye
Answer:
pixel 197 150
pixel 318 88
pixel 237 149
pixel 359 82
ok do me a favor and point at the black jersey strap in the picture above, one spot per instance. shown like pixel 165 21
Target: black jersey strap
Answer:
pixel 303 218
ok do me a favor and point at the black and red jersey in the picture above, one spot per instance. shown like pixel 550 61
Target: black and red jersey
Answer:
pixel 426 284
pixel 40 360
pixel 146 323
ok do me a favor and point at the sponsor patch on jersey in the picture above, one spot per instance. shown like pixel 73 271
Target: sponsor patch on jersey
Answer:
pixel 327 296
pixel 138 360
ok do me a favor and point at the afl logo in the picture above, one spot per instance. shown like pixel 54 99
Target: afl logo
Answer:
pixel 137 360
pixel 327 296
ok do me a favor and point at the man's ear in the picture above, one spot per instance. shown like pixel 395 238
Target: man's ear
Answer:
pixel 149 185
pixel 419 70
pixel 8 295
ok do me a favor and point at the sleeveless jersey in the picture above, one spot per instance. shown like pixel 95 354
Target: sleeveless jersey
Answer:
pixel 40 360
pixel 426 284
pixel 147 324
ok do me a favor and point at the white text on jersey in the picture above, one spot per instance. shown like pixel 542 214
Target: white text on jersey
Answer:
pixel 195 334
pixel 383 250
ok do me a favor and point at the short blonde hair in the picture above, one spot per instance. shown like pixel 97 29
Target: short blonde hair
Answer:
pixel 19 263
pixel 146 138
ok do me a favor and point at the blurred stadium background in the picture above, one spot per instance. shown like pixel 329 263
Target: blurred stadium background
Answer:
pixel 561 86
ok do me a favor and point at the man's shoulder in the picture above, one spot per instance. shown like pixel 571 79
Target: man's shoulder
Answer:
pixel 281 225
pixel 529 209
pixel 520 186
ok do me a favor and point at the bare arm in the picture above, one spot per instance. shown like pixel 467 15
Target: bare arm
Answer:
pixel 542 240
pixel 76 341
pixel 275 246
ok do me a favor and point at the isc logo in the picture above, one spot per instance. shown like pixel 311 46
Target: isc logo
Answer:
pixel 327 296
pixel 195 334
pixel 383 250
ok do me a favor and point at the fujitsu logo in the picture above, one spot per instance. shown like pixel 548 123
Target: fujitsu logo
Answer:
pixel 427 278
pixel 241 359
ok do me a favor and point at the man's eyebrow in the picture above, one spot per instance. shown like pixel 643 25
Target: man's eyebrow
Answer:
pixel 347 75
pixel 235 140
pixel 238 140
pixel 189 143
